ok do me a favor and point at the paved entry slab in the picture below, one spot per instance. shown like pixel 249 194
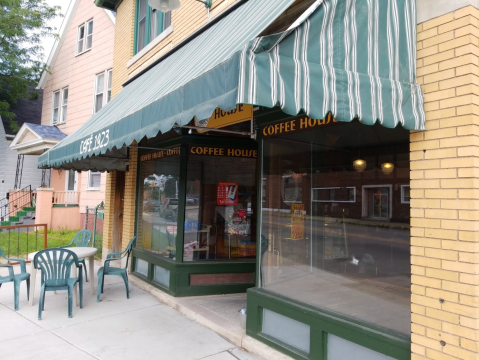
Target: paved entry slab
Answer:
pixel 116 328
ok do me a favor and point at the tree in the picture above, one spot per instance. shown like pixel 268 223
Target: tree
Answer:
pixel 23 23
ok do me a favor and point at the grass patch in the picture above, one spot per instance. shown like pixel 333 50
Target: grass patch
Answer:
pixel 19 244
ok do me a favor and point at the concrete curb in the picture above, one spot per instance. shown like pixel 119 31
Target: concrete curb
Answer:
pixel 213 321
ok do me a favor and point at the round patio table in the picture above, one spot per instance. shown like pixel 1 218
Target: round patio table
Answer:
pixel 81 252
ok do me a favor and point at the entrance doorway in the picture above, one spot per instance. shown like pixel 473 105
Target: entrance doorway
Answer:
pixel 377 202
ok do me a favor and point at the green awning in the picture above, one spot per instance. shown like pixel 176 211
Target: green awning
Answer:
pixel 354 58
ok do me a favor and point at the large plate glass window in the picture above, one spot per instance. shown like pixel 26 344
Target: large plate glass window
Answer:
pixel 339 235
pixel 221 197
pixel 159 183
pixel 149 24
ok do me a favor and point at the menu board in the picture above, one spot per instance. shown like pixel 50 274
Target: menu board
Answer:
pixel 227 193
pixel 297 221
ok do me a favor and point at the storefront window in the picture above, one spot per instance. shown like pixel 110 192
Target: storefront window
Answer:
pixel 336 221
pixel 220 219
pixel 158 205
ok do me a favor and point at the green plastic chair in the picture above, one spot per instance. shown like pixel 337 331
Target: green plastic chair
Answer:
pixel 110 270
pixel 15 278
pixel 55 265
pixel 81 238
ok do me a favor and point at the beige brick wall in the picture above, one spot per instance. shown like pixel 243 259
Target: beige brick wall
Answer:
pixel 123 51
pixel 445 191
pixel 130 197
pixel 186 20
pixel 108 221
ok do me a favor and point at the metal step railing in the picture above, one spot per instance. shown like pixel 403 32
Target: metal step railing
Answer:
pixel 15 201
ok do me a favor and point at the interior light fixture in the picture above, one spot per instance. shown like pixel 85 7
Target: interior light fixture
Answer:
pixel 359 165
pixel 387 168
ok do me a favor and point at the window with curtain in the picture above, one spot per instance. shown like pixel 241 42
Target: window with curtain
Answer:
pixel 149 24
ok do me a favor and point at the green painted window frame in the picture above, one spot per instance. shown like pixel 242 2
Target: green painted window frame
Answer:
pixel 160 18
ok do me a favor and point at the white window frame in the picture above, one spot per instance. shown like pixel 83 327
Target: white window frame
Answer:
pixel 75 187
pixel 88 187
pixel 57 107
pixel 64 106
pixel 106 89
pixel 83 40
pixel 335 201
pixel 60 106
pixel 403 201
pixel 108 82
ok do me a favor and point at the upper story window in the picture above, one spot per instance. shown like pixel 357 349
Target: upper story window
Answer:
pixel 102 90
pixel 149 24
pixel 59 106
pixel 85 37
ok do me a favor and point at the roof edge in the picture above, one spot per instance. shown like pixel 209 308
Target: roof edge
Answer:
pixel 58 43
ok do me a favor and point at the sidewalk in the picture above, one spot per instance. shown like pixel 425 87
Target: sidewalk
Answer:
pixel 218 313
pixel 120 328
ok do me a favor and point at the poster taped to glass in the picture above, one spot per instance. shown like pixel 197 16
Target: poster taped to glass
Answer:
pixel 227 193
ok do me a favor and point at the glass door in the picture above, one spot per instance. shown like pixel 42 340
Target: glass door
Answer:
pixel 378 199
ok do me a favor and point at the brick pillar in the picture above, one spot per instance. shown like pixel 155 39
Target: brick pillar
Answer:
pixel 108 221
pixel 445 191
pixel 130 198
pixel 43 211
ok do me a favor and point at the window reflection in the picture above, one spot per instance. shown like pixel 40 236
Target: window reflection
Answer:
pixel 158 209
pixel 216 229
pixel 335 237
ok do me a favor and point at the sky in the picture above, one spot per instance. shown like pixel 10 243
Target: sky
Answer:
pixel 48 42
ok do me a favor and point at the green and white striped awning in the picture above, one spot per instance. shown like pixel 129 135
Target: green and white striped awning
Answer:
pixel 354 58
